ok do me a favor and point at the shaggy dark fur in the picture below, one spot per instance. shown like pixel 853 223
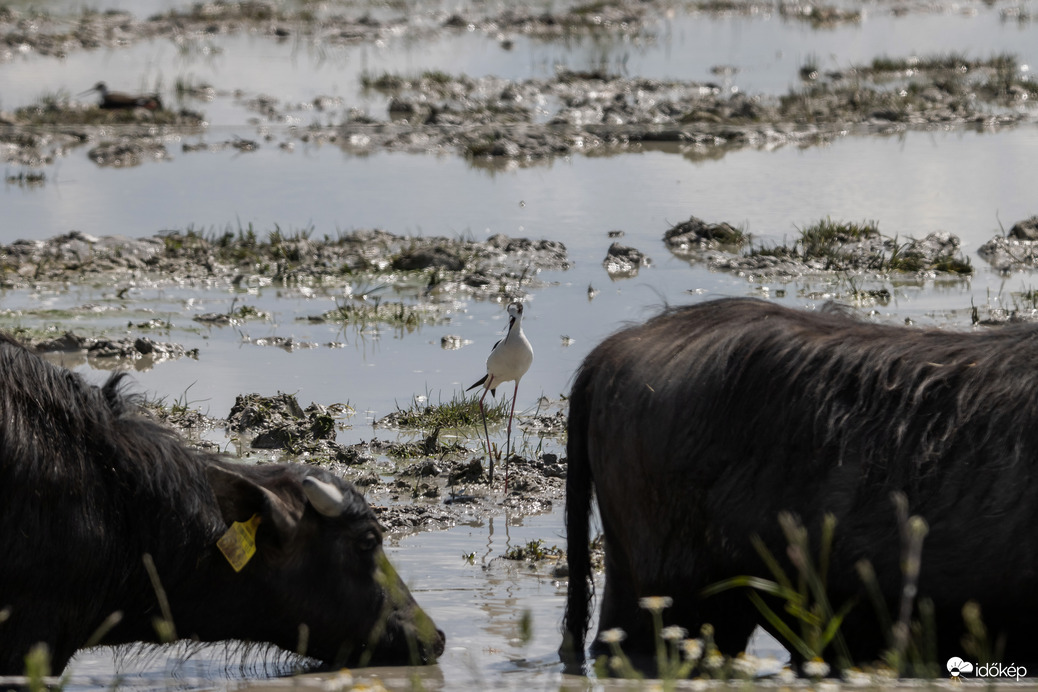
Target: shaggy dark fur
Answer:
pixel 696 429
pixel 88 486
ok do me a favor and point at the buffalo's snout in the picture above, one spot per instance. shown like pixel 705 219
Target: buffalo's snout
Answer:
pixel 436 647
pixel 409 638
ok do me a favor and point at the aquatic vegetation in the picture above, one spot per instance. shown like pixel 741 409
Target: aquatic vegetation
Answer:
pixel 829 245
pixel 805 598
pixel 954 61
pixel 819 16
pixel 824 237
pixel 914 90
pixel 430 446
pixel 461 411
pixel 398 314
pixel 688 238
pixel 533 551
pixel 26 178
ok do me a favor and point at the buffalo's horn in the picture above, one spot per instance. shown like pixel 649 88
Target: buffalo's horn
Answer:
pixel 325 497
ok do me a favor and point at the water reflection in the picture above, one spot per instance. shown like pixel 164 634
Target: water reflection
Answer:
pixel 484 629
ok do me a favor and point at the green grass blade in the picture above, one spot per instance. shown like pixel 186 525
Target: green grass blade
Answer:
pixel 765 585
pixel 781 627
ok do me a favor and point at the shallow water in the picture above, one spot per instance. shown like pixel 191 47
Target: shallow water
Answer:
pixel 966 183
pixel 962 181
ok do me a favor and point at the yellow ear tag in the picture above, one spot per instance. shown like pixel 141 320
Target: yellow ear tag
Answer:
pixel 238 545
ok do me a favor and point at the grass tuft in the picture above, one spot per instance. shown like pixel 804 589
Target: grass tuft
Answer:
pixel 533 551
pixel 461 411
pixel 842 246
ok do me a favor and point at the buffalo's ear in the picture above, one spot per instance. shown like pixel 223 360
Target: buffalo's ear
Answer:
pixel 240 498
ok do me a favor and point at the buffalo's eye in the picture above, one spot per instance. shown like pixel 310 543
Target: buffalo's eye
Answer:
pixel 368 541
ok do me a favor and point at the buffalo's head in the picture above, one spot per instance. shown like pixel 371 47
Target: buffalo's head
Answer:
pixel 319 582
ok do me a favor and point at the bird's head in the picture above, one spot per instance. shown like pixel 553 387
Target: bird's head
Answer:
pixel 99 87
pixel 515 313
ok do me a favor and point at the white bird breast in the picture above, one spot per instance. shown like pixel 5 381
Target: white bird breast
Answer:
pixel 510 360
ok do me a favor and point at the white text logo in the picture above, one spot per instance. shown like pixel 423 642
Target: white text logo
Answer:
pixel 957 668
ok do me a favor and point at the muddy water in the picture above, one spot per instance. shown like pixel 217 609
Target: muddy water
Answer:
pixel 961 181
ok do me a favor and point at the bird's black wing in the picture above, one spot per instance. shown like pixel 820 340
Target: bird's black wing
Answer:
pixel 484 378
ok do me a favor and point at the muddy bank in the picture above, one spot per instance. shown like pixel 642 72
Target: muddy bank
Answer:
pixel 427 275
pixel 489 119
pixel 413 485
pixel 46 34
pixel 855 263
pixel 38 31
pixel 598 112
pixel 1016 250
pixel 95 349
pixel 494 121
pixel 500 267
pixel 826 247
pixel 363 280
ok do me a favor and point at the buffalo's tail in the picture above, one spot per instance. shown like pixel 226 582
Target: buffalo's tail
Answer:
pixel 578 513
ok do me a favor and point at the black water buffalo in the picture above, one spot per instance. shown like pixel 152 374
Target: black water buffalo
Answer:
pixel 698 428
pixel 98 503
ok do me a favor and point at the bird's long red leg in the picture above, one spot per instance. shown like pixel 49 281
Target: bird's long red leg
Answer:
pixel 483 414
pixel 508 439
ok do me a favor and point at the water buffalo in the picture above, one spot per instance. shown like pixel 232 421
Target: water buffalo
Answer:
pixel 697 429
pixel 103 510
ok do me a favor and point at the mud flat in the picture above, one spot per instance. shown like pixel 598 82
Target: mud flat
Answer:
pixel 490 119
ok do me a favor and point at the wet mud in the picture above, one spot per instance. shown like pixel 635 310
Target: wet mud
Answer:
pixel 427 484
pixel 496 268
pixel 829 247
pixel 45 34
pixel 99 349
pixel 1017 249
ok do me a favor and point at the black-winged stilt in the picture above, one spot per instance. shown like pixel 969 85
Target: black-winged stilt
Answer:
pixel 508 361
pixel 113 100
